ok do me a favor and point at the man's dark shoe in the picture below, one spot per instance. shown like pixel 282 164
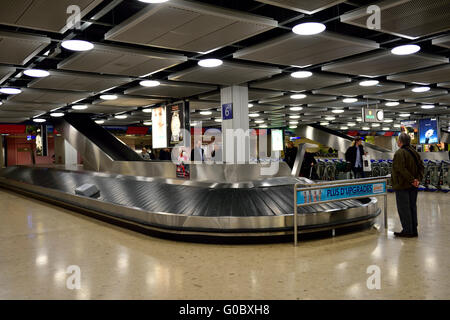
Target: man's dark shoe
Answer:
pixel 404 235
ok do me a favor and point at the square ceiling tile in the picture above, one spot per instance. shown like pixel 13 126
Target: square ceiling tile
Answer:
pixel 107 59
pixel 287 100
pixel 49 96
pixel 128 101
pixel 406 94
pixel 253 94
pixel 296 50
pixel 26 106
pixel 5 73
pixel 440 73
pixel 171 89
pixel 229 73
pixel 189 26
pixel 304 6
pixel 354 89
pixel 19 48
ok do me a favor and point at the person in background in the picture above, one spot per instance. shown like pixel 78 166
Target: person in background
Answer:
pixel 198 154
pixel 407 172
pixel 165 154
pixel 431 148
pixel 216 154
pixel 307 169
pixel 353 155
pixel 152 154
pixel 145 155
pixel 290 154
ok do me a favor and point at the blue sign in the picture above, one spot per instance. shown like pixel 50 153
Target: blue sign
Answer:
pixel 341 192
pixel 227 111
pixel 428 131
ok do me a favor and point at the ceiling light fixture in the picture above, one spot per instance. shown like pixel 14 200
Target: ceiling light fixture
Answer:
pixel 292 127
pixel 301 74
pixel 338 111
pixel 392 104
pixel 344 128
pixel 369 83
pixel 108 97
pixel 99 121
pixel 250 105
pixel 36 73
pixel 210 63
pixel 405 49
pixel 10 90
pixel 397 125
pixel 388 120
pixel 309 28
pixel 298 96
pixel 121 116
pixel 253 115
pixel 77 45
pixel 149 83
pixel 330 118
pixel 206 113
pixel 259 121
pixel 147 123
pixel 153 1
pixel 404 115
pixel 376 125
pixel 349 100
pixel 39 120
pixel 148 110
pixel 421 89
pixel 296 108
pixel 80 107
pixel 428 106
pixel 365 128
pixel 294 117
pixel 386 129
pixel 57 114
pixel 218 120
pixel 324 123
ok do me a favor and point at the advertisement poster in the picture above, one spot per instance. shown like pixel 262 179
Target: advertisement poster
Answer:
pixel 410 127
pixel 183 171
pixel 428 131
pixel 175 120
pixel 159 128
pixel 277 140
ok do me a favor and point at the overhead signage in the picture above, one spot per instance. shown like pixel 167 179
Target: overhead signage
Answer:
pixel 159 128
pixel 12 128
pixel 341 192
pixel 227 111
pixel 175 121
pixel 277 139
pixel 410 127
pixel 428 131
pixel 373 115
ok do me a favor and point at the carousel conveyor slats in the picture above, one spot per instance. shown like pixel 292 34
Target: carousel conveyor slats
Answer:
pixel 154 195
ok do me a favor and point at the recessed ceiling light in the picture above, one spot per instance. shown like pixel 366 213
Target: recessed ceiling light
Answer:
pixel 1 103
pixel 259 121
pixel 386 129
pixel 392 104
pixel 253 115
pixel 365 128
pixel 148 110
pixel 344 128
pixel 193 124
pixel 404 115
pixel 149 83
pixel 121 116
pixel 250 105
pixel 324 123
pixel 292 127
pixel 349 100
pixel 36 73
pixel 108 97
pixel 296 108
pixel 263 126
pixel 99 121
pixel 376 125
pixel 77 45
pixel 330 118
pixel 294 117
pixel 39 120
pixel 80 107
pixel 57 114
pixel 388 120
pixel 428 106
pixel 338 111
pixel 301 74
pixel 351 124
pixel 147 123
pixel 218 120
pixel 293 122
pixel 206 113
pixel 10 90
pixel 406 49
pixel 421 89
pixel 359 119
pixel 309 28
pixel 369 83
pixel 210 63
pixel 298 96
pixel 153 1
pixel 397 125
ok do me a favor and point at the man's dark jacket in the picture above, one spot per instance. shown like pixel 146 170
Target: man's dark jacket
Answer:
pixel 407 166
pixel 350 155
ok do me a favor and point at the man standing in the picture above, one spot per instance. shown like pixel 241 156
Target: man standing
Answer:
pixel 354 156
pixel 198 154
pixel 145 155
pixel 290 154
pixel 407 172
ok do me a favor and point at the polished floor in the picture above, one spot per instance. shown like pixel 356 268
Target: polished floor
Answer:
pixel 38 242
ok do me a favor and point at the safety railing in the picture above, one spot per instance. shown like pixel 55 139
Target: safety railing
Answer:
pixel 334 191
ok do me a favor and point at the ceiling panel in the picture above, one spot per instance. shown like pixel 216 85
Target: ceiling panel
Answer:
pixel 287 100
pixel 109 59
pixel 173 89
pixel 18 114
pixel 13 120
pixel 340 104
pixel 444 85
pixel 443 99
pixel 406 18
pixel 203 105
pixel 406 94
pixel 5 72
pixel 102 109
pixel 189 26
pixel 19 48
pixel 286 82
pixel 128 101
pixel 383 62
pixel 26 106
pixel 228 73
pixel 296 50
pixel 431 75
pixel 48 15
pixel 253 94
pixel 354 89
pixel 442 42
pixel 77 82
pixel 49 96
pixel 304 6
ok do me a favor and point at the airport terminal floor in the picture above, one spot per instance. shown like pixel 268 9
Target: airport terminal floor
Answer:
pixel 39 241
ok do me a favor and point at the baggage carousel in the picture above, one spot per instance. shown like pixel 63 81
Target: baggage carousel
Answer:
pixel 174 206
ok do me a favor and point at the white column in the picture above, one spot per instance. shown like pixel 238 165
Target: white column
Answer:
pixel 235 133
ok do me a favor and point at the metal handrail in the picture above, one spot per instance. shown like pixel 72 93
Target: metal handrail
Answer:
pixel 323 185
